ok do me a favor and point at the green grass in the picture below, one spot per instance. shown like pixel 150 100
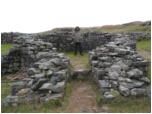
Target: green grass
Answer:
pixel 50 106
pixel 120 29
pixel 144 45
pixel 129 105
pixel 5 48
pixel 123 104
pixel 78 57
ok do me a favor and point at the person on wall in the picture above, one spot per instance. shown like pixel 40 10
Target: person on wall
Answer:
pixel 77 38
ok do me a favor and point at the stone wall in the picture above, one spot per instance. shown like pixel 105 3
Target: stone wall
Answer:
pixel 62 39
pixel 9 37
pixel 118 69
pixel 48 72
pixel 137 36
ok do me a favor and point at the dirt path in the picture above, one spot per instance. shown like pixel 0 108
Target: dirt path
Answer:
pixel 77 63
pixel 82 98
pixel 144 54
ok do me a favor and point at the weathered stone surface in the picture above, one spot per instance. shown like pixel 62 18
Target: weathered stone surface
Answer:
pixel 146 80
pixel 124 91
pixel 23 92
pixel 116 68
pixel 11 101
pixel 113 75
pixel 32 71
pixel 15 87
pixel 138 92
pixel 94 63
pixel 59 87
pixel 135 73
pixel 108 95
pixel 46 86
pixel 104 84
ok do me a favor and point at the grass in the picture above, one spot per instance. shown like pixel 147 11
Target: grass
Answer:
pixel 5 48
pixel 120 28
pixel 144 45
pixel 78 57
pixel 129 105
pixel 123 104
pixel 51 106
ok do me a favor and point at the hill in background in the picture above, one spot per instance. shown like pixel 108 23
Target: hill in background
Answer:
pixel 136 26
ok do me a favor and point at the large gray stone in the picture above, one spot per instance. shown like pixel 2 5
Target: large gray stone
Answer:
pixel 15 87
pixel 138 83
pixel 59 87
pixel 122 51
pixel 32 71
pixel 37 85
pixel 109 95
pixel 122 65
pixel 134 73
pixel 106 59
pixel 127 85
pixel 94 63
pixel 113 75
pixel 116 68
pixel 10 101
pixel 104 84
pixel 41 55
pixel 124 91
pixel 46 86
pixel 138 92
pixel 146 80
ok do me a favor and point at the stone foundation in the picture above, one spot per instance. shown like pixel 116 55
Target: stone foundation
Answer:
pixel 117 67
pixel 48 72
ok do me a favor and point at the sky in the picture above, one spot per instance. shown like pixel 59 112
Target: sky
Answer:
pixel 31 16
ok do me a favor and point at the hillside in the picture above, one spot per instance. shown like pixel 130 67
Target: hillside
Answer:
pixel 136 26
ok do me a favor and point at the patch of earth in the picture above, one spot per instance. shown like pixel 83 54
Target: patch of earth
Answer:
pixel 82 99
pixel 77 63
pixel 144 54
pixel 21 74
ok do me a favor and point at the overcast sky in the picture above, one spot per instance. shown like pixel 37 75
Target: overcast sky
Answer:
pixel 31 16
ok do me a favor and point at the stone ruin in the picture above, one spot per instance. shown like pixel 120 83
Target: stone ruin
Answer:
pixel 118 69
pixel 48 72
pixel 115 65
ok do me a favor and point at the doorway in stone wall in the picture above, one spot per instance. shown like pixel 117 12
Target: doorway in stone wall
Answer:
pixel 83 96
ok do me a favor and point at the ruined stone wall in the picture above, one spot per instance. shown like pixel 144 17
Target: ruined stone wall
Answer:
pixel 118 69
pixel 48 72
pixel 62 39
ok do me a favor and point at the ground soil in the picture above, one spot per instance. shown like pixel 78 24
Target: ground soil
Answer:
pixel 82 98
pixel 77 63
pixel 144 54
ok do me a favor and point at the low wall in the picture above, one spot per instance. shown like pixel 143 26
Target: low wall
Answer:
pixel 118 69
pixel 48 72
pixel 63 42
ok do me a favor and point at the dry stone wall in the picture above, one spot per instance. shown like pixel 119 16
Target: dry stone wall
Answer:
pixel 118 69
pixel 62 39
pixel 48 72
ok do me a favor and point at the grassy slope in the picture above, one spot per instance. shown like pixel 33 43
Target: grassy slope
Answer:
pixel 120 29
